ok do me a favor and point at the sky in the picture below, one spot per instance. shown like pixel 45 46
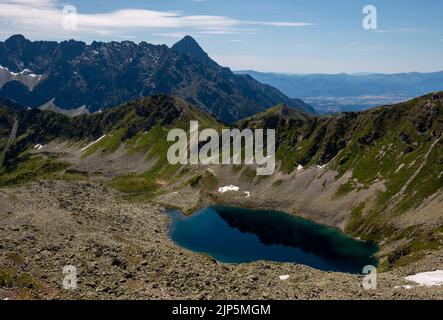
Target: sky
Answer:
pixel 286 36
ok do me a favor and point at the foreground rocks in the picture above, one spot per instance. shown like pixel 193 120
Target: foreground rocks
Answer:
pixel 121 250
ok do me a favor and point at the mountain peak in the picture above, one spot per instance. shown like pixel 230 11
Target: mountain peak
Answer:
pixel 16 38
pixel 189 43
pixel 189 38
pixel 273 117
pixel 189 46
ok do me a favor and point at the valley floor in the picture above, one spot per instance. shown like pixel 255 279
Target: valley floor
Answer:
pixel 122 251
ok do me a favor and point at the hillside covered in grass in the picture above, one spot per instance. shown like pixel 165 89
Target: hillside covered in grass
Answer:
pixel 386 163
pixel 399 147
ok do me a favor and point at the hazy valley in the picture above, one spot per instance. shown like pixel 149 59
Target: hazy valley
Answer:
pixel 335 93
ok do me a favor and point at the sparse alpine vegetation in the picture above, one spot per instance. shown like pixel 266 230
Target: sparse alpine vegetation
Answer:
pixel 378 172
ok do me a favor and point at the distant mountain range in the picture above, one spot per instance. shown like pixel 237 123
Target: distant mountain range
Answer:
pixel 330 93
pixel 101 75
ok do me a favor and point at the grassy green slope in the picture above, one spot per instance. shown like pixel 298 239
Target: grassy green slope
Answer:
pixel 399 146
pixel 140 126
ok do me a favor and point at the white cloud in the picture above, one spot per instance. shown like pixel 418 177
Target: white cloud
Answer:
pixel 281 64
pixel 398 30
pixel 357 47
pixel 382 31
pixel 410 30
pixel 301 45
pixel 175 35
pixel 35 3
pixel 217 32
pixel 281 23
pixel 38 17
pixel 259 63
pixel 368 49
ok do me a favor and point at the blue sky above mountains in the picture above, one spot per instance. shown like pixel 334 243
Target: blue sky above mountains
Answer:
pixel 304 36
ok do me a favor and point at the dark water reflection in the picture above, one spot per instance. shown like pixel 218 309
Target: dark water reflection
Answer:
pixel 237 235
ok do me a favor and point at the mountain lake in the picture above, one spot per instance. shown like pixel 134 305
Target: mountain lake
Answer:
pixel 238 235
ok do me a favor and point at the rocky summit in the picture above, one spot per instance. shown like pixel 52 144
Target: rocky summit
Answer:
pixel 100 75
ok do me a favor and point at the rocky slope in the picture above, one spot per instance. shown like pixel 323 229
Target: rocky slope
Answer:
pixel 50 106
pixel 383 166
pixel 25 77
pixel 375 174
pixel 121 251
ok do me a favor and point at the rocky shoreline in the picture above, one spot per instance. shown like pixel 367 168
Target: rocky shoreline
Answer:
pixel 121 250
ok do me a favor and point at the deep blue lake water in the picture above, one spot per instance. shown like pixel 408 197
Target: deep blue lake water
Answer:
pixel 237 235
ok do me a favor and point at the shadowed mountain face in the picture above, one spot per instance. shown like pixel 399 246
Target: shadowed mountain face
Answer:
pixel 12 105
pixel 102 75
pixel 136 117
pixel 190 47
pixel 276 228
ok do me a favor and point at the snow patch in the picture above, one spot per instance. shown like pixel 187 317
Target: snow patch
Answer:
pixel 428 279
pixel 284 277
pixel 92 143
pixel 404 287
pixel 25 76
pixel 300 168
pixel 228 188
pixel 248 194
